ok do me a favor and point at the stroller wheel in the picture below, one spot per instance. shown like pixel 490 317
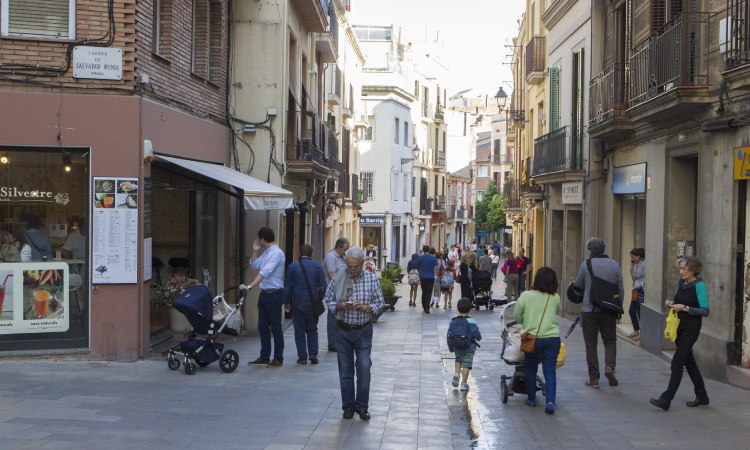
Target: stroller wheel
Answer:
pixel 476 307
pixel 173 363
pixel 229 361
pixel 504 391
pixel 190 368
pixel 492 306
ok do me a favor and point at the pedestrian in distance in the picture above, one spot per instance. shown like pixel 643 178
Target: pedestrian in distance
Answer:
pixel 510 270
pixel 524 266
pixel 372 255
pixel 304 278
pixel 495 258
pixel 427 265
pixel 466 273
pixel 270 280
pixel 485 263
pixel 537 310
pixel 355 297
pixel 463 335
pixel 638 274
pixel 436 289
pixel 447 280
pixel 332 262
pixel 412 277
pixel 690 301
pixel 594 320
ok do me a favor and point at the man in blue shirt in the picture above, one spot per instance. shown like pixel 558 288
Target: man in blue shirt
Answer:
pixel 303 279
pixel 270 280
pixel 426 264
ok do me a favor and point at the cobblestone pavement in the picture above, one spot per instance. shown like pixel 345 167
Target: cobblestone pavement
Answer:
pixel 63 404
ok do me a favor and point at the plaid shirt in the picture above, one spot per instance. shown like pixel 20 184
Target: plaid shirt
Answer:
pixel 366 291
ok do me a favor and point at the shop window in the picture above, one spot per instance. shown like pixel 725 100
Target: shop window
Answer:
pixel 44 270
pixel 38 18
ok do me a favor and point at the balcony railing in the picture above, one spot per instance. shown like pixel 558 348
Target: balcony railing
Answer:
pixel 439 202
pixel 333 25
pixel 535 55
pixel 460 213
pixel 675 55
pixel 553 152
pixel 737 35
pixel 511 195
pixel 607 95
pixel 428 109
pixel 440 113
pixel 439 160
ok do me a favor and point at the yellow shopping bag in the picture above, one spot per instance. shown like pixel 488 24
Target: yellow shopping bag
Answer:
pixel 561 355
pixel 670 330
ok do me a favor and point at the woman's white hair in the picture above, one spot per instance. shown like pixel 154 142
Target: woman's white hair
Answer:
pixel 356 253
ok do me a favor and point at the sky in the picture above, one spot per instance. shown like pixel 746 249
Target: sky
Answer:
pixel 474 33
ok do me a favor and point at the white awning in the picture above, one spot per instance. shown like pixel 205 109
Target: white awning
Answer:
pixel 259 195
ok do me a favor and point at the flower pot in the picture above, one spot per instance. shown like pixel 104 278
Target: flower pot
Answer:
pixel 390 301
pixel 177 321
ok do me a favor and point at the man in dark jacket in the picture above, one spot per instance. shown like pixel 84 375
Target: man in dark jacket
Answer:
pixel 297 299
pixel 593 319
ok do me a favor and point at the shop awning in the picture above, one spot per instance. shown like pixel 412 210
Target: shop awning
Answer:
pixel 258 195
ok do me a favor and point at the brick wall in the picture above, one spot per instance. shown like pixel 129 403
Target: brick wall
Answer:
pixel 175 78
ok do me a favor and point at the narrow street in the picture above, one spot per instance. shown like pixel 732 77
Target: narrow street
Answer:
pixel 50 404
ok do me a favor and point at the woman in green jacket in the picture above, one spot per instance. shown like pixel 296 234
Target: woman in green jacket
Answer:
pixel 537 311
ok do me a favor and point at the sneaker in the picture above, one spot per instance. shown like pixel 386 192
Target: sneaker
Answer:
pixel 275 363
pixel 314 359
pixel 455 380
pixel 592 383
pixel 258 362
pixel 610 374
pixel 531 403
pixel 549 409
pixel 464 387
pixel 302 361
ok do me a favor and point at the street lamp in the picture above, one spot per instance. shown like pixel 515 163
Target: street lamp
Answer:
pixel 501 97
pixel 415 154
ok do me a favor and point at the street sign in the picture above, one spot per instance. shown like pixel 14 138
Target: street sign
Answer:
pixel 742 163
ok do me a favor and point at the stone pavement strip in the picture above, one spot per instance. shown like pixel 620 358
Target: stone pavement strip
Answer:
pixel 65 404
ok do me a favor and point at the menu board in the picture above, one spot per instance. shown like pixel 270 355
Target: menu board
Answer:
pixel 34 297
pixel 115 231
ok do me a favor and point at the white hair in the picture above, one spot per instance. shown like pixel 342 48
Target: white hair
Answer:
pixel 356 253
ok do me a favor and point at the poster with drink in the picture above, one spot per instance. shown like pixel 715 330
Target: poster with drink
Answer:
pixel 34 297
pixel 115 230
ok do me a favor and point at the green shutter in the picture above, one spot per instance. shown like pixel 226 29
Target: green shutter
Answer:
pixel 554 92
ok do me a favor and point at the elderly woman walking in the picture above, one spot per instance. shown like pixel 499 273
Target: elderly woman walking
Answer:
pixel 638 274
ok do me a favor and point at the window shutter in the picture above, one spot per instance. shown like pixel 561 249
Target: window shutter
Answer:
pixel 577 110
pixel 554 107
pixel 658 14
pixel 47 18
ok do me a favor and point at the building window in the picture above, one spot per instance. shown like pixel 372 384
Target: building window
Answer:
pixel 413 186
pixel 366 134
pixel 216 68
pixel 367 180
pixel 374 33
pixel 480 194
pixel 161 28
pixel 435 186
pixel 444 141
pixel 406 134
pixel 406 186
pixel 482 171
pixel 54 19
pixel 199 54
pixel 396 137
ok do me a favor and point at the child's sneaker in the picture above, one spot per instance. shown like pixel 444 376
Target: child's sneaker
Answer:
pixel 455 380
pixel 464 387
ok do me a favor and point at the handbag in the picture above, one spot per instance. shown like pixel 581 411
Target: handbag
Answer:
pixel 604 294
pixel 317 301
pixel 574 293
pixel 670 329
pixel 528 340
pixel 561 356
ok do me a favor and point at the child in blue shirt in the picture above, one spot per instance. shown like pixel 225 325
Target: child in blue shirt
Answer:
pixel 465 355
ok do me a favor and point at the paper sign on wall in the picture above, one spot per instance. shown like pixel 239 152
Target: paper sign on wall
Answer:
pixel 115 231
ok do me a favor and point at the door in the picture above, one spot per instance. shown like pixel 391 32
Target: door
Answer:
pixel 204 236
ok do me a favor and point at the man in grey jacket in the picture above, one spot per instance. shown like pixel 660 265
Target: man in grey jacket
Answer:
pixel 593 319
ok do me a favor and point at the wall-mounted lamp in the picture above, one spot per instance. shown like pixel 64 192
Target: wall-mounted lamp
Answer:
pixel 148 151
pixel 67 163
pixel 4 159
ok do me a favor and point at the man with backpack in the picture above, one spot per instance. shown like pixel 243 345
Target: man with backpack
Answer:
pixel 463 334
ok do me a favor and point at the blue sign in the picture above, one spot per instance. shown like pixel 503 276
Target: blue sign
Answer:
pixel 371 220
pixel 629 179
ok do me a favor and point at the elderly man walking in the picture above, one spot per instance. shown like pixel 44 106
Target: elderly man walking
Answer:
pixel 594 320
pixel 355 297
pixel 331 263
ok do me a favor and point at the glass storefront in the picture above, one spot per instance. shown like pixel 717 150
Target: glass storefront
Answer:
pixel 44 298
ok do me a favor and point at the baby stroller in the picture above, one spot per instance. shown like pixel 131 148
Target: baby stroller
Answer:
pixel 481 290
pixel 211 317
pixel 513 356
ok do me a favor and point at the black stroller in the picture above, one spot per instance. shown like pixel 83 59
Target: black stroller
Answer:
pixel 211 317
pixel 481 290
pixel 513 356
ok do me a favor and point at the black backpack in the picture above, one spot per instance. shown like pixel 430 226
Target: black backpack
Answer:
pixel 461 338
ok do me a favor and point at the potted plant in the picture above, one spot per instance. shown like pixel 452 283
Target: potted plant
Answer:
pixel 389 293
pixel 164 294
pixel 393 273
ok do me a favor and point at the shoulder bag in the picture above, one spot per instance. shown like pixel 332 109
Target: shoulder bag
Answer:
pixel 604 294
pixel 528 340
pixel 316 301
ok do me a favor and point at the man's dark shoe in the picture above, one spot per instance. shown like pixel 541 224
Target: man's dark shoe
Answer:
pixel 302 361
pixel 697 402
pixel 314 359
pixel 610 374
pixel 363 414
pixel 275 363
pixel 258 362
pixel 331 348
pixel 348 413
pixel 660 403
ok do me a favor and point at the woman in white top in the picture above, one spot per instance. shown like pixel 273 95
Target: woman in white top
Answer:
pixel 25 248
pixel 495 264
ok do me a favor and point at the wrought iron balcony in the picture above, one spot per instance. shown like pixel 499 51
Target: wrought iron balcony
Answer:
pixel 511 195
pixel 738 35
pixel 440 113
pixel 439 160
pixel 675 56
pixel 607 103
pixel 553 152
pixel 535 60
pixel 313 13
pixel 439 202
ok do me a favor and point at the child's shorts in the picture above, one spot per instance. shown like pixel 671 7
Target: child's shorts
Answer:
pixel 465 358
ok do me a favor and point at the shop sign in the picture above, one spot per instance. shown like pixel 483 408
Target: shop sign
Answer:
pixel 13 194
pixel 114 231
pixel 372 221
pixel 629 179
pixel 572 193
pixel 99 63
pixel 742 163
pixel 34 297
pixel 395 220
